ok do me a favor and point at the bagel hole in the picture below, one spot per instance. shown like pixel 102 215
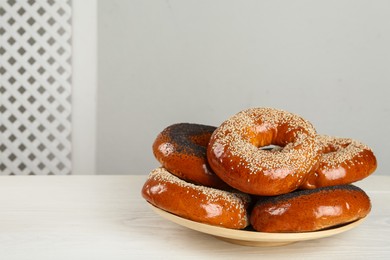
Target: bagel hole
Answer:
pixel 335 148
pixel 271 148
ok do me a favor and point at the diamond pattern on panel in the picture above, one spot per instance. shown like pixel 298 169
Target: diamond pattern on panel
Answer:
pixel 35 87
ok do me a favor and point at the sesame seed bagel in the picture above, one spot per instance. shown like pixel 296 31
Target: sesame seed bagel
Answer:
pixel 310 210
pixel 195 202
pixel 181 149
pixel 234 155
pixel 343 161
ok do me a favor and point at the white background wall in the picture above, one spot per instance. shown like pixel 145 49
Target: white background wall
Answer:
pixel 163 62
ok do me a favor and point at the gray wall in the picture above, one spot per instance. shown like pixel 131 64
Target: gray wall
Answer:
pixel 163 62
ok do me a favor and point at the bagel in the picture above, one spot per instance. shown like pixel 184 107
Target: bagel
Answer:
pixel 310 210
pixel 343 161
pixel 181 149
pixel 195 202
pixel 234 155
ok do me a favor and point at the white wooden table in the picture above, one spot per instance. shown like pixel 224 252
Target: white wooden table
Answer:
pixel 105 217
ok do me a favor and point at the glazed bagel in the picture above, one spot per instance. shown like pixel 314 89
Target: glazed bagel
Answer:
pixel 181 149
pixel 234 155
pixel 198 203
pixel 343 161
pixel 310 210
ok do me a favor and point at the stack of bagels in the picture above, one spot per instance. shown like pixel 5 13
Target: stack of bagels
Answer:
pixel 263 169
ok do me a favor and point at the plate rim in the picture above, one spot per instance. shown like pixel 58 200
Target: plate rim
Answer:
pixel 253 236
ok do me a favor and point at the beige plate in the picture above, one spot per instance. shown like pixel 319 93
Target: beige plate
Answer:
pixel 253 238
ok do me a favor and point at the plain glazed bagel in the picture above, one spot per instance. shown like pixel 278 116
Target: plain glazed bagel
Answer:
pixel 234 155
pixel 198 203
pixel 181 149
pixel 310 210
pixel 343 161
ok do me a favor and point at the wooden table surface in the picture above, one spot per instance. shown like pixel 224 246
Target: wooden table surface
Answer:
pixel 105 217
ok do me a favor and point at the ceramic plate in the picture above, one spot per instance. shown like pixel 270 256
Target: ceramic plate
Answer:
pixel 254 238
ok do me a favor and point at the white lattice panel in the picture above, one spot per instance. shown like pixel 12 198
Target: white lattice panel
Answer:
pixel 35 87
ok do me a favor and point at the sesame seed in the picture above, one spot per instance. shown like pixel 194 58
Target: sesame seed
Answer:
pixel 238 135
pixel 338 150
pixel 235 200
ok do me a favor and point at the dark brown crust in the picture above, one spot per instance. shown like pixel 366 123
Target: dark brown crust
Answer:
pixel 195 202
pixel 310 210
pixel 181 149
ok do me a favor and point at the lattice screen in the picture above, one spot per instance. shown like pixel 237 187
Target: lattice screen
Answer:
pixel 35 87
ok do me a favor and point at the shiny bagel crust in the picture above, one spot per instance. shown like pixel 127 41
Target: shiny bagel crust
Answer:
pixel 194 202
pixel 310 210
pixel 234 155
pixel 343 161
pixel 181 149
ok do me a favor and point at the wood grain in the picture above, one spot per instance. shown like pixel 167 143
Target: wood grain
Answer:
pixel 105 217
